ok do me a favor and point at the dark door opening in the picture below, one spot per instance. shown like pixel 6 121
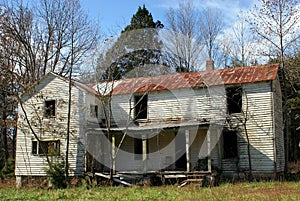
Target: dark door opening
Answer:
pixel 180 149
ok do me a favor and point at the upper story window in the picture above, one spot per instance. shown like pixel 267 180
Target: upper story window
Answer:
pixel 141 106
pixel 50 108
pixel 94 111
pixel 234 100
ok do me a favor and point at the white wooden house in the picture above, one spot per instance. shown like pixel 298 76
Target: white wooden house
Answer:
pixel 199 121
pixel 176 122
pixel 42 125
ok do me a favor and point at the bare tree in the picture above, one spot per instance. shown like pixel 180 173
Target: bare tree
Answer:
pixel 242 52
pixel 276 24
pixel 183 43
pixel 210 26
pixel 51 36
pixel 42 36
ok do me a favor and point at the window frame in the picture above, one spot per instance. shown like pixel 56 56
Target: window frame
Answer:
pixel 94 113
pixel 234 99
pixel 37 150
pixel 50 108
pixel 141 107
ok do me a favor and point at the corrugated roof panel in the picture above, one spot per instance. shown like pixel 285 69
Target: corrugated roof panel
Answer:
pixel 197 79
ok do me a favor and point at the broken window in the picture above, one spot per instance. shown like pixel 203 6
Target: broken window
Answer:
pixel 234 99
pixel 94 111
pixel 138 148
pixel 230 144
pixel 46 147
pixel 140 106
pixel 50 108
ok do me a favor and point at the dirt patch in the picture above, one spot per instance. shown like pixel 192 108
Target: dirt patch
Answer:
pixel 6 183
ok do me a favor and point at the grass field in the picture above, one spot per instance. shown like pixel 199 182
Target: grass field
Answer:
pixel 238 191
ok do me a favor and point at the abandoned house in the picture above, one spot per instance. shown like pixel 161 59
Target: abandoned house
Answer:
pixel 226 120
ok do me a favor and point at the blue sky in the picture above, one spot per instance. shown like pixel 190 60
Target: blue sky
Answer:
pixel 114 15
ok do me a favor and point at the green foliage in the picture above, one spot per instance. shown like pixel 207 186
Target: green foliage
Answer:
pixel 8 169
pixel 56 174
pixel 228 191
pixel 142 19
pixel 137 46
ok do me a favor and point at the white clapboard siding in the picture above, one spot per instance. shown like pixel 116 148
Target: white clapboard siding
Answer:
pixel 257 104
pixel 171 105
pixel 258 99
pixel 55 88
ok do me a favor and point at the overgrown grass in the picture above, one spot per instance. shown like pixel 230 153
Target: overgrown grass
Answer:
pixel 238 191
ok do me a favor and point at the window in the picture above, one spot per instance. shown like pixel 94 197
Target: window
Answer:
pixel 140 106
pixel 230 144
pixel 46 147
pixel 50 108
pixel 94 111
pixel 234 99
pixel 138 148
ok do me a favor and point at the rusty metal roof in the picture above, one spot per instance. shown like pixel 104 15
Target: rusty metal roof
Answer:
pixel 226 76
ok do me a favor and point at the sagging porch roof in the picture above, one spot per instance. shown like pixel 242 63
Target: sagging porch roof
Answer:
pixel 226 76
pixel 154 126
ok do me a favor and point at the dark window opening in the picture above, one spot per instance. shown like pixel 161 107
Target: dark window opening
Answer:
pixel 34 147
pixel 230 144
pixel 94 111
pixel 138 148
pixel 140 106
pixel 234 100
pixel 49 147
pixel 50 108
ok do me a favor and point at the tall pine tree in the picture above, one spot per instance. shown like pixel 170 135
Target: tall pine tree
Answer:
pixel 137 52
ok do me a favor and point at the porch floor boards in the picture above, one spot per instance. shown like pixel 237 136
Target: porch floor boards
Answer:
pixel 184 176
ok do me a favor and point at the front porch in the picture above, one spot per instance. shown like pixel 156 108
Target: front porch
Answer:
pixel 178 154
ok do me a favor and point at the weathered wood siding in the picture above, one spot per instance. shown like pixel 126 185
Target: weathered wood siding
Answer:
pixel 278 127
pixel 185 104
pixel 178 104
pixel 51 88
pixel 257 107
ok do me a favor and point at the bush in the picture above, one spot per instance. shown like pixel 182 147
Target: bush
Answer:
pixel 56 174
pixel 9 168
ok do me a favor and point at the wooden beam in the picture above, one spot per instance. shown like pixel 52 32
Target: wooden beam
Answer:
pixel 187 150
pixel 113 153
pixel 208 150
pixel 145 153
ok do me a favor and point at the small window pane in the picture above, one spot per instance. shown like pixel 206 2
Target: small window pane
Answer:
pixel 50 108
pixel 94 111
pixel 140 106
pixel 234 100
pixel 34 147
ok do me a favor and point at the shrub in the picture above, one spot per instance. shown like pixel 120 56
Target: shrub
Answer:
pixel 9 168
pixel 56 174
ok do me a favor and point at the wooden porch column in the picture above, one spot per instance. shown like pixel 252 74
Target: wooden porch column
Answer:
pixel 113 153
pixel 208 150
pixel 187 150
pixel 145 153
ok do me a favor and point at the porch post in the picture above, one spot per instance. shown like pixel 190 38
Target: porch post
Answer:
pixel 113 153
pixel 187 149
pixel 208 150
pixel 145 153
pixel 18 181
